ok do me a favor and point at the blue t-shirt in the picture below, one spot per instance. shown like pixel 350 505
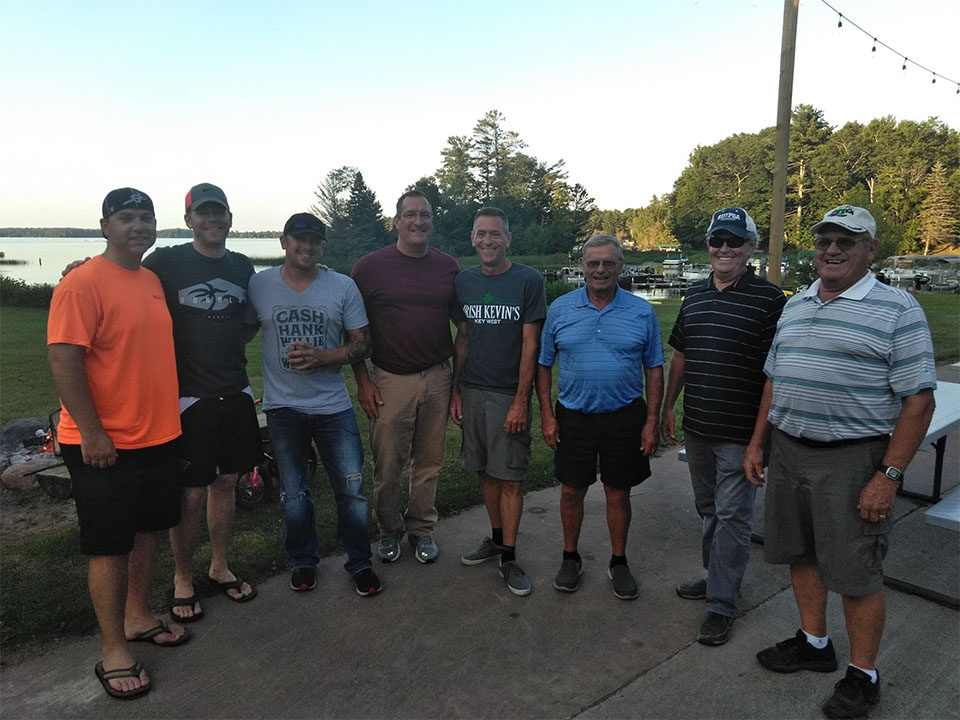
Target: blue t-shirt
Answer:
pixel 602 352
pixel 319 315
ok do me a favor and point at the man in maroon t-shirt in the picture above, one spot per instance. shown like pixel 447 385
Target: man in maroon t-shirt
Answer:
pixel 409 296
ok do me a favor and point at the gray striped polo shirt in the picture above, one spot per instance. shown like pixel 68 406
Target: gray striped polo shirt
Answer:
pixel 840 368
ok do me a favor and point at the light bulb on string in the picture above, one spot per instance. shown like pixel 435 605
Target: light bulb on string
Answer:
pixel 873 50
pixel 934 81
pixel 904 63
pixel 839 22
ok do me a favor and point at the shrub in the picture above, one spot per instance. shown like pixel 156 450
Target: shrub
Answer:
pixel 15 292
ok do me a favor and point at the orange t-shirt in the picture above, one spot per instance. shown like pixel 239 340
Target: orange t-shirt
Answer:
pixel 120 318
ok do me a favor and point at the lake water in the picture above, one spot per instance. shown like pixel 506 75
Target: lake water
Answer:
pixel 46 257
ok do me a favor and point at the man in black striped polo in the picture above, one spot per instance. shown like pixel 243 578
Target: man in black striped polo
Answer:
pixel 720 340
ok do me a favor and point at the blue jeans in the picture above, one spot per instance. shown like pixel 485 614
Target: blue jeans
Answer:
pixel 337 438
pixel 724 500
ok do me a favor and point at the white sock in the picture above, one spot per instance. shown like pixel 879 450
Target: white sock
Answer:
pixel 818 642
pixel 871 673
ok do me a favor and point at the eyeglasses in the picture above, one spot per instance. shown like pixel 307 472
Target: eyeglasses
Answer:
pixel 732 241
pixel 843 243
pixel 607 264
pixel 412 215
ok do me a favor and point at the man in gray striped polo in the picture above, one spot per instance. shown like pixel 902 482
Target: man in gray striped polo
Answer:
pixel 848 397
pixel 720 341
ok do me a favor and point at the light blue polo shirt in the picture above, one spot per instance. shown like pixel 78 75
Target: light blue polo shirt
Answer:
pixel 602 352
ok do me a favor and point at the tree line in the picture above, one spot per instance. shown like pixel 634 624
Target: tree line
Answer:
pixel 906 173
pixel 547 213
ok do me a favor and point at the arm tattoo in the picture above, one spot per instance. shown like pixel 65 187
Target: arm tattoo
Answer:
pixel 358 345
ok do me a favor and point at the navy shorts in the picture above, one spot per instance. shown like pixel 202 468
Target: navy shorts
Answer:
pixel 140 493
pixel 613 437
pixel 221 435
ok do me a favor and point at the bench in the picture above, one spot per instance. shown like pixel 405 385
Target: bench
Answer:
pixel 946 513
pixel 929 458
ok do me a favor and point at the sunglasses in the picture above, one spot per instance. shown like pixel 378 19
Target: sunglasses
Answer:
pixel 732 241
pixel 843 244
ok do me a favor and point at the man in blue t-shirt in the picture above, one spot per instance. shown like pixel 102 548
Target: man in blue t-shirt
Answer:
pixel 304 312
pixel 501 305
pixel 609 348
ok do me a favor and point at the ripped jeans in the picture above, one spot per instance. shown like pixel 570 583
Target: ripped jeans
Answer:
pixel 337 438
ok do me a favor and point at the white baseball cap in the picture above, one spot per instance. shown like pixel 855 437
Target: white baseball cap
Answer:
pixel 851 217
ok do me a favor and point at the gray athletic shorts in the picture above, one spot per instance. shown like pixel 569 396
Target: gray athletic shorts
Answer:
pixel 486 447
pixel 812 516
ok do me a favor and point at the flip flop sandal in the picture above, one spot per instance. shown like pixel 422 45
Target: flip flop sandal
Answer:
pixel 150 636
pixel 184 602
pixel 234 585
pixel 105 676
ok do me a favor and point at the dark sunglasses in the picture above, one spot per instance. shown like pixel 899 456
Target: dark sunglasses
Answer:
pixel 843 244
pixel 732 242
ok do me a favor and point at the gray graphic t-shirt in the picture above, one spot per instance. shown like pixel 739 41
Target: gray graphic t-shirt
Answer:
pixel 319 315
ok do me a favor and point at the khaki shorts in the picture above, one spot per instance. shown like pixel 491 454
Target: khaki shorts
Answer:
pixel 812 515
pixel 486 447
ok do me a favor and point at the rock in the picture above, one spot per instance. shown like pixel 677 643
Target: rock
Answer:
pixel 20 476
pixel 21 429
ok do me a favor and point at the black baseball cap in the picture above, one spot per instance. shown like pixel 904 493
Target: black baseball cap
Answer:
pixel 127 198
pixel 305 224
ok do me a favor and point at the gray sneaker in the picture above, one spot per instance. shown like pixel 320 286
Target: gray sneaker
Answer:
pixel 426 548
pixel 568 577
pixel 487 550
pixel 693 589
pixel 389 549
pixel 517 581
pixel 624 586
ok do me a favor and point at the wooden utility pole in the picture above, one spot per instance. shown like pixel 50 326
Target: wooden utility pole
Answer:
pixel 788 47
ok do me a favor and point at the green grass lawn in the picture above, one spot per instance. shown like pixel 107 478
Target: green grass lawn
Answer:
pixel 43 594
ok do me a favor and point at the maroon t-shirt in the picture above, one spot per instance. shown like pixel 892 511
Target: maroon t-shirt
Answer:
pixel 410 302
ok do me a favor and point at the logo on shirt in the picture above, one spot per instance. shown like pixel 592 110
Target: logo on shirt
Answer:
pixel 214 296
pixel 298 324
pixel 490 312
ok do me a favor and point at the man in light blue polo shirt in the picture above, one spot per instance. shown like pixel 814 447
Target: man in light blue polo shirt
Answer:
pixel 608 348
pixel 848 396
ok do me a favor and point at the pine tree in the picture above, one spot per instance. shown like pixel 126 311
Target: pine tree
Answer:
pixel 938 213
pixel 364 228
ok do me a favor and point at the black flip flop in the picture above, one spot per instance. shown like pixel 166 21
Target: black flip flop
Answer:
pixel 234 585
pixel 105 676
pixel 160 628
pixel 184 602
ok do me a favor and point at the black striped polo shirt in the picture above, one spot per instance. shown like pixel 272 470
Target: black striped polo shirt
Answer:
pixel 724 336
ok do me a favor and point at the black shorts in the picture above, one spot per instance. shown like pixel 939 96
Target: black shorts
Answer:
pixel 140 493
pixel 613 436
pixel 221 435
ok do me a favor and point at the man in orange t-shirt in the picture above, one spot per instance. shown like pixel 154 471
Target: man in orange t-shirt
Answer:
pixel 110 346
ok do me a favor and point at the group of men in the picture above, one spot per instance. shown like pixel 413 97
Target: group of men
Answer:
pixel 741 365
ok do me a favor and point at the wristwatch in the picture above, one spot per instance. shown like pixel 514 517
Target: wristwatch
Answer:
pixel 895 474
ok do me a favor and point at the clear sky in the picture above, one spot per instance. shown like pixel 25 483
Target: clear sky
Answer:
pixel 264 98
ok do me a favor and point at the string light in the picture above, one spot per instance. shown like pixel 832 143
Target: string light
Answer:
pixel 876 42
